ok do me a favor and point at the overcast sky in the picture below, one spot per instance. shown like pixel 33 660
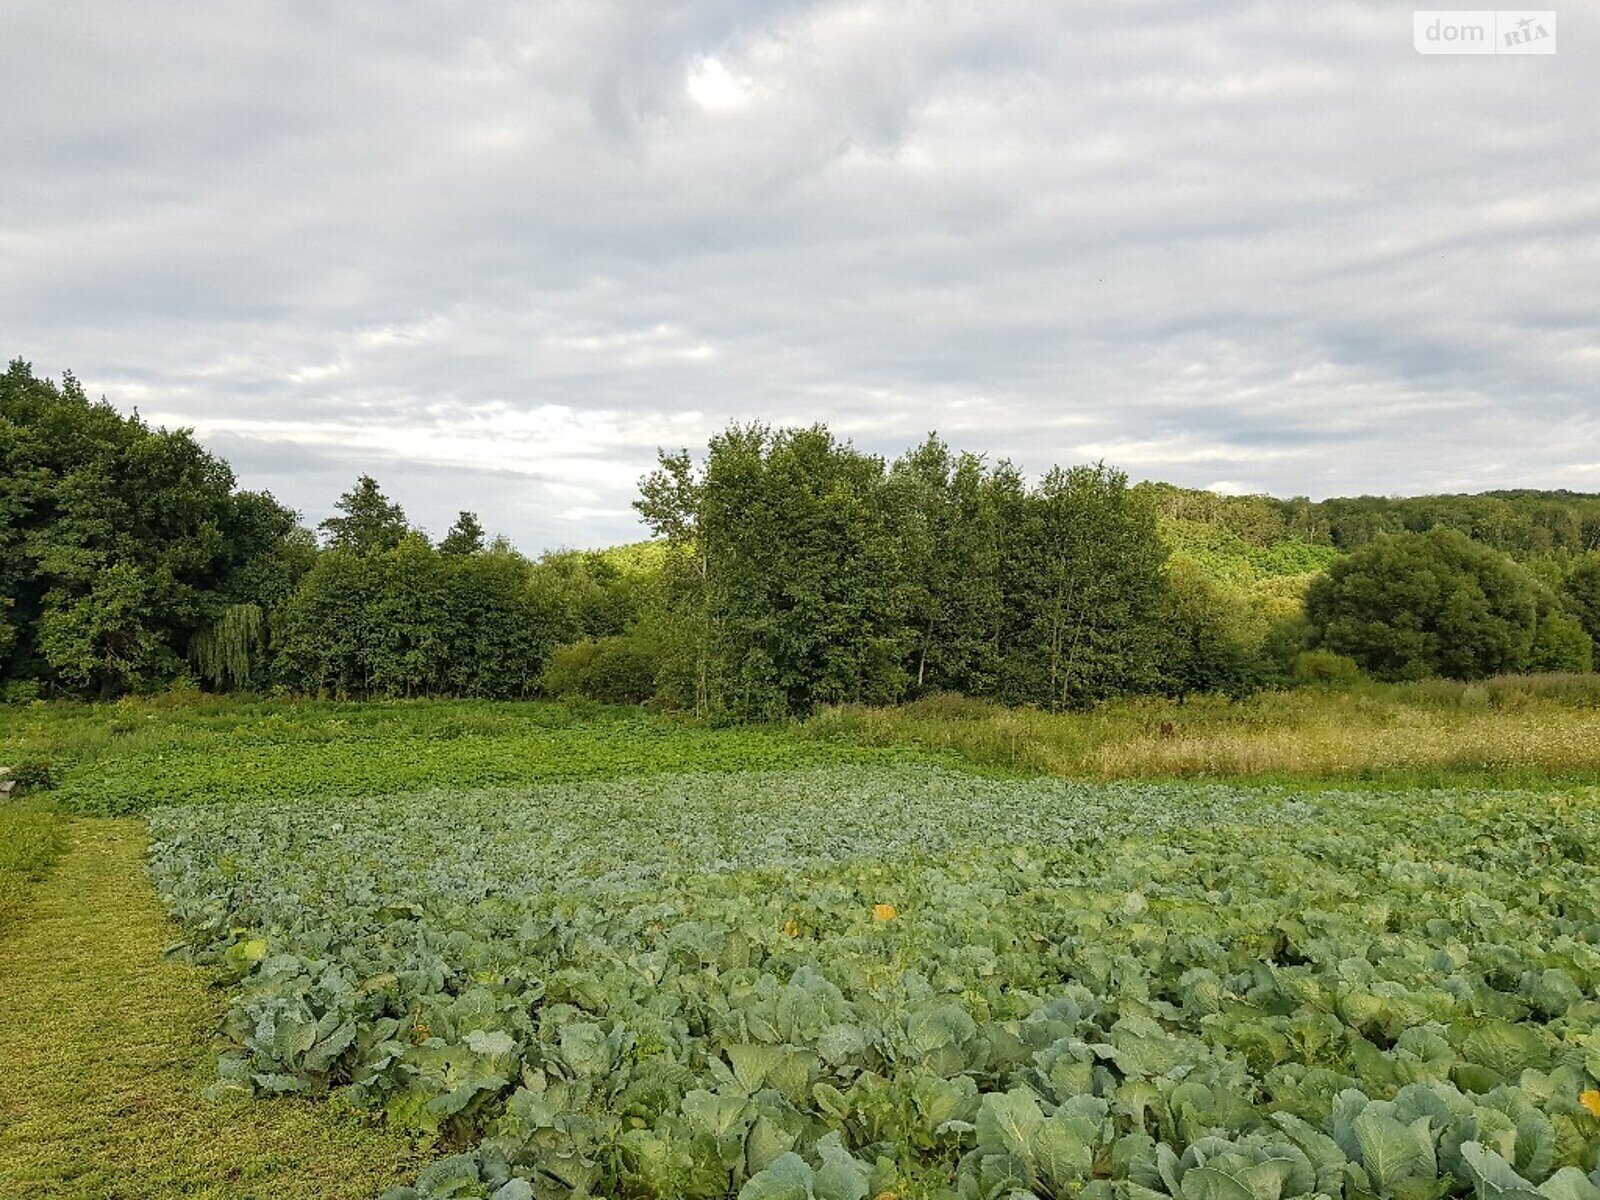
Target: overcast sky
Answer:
pixel 496 254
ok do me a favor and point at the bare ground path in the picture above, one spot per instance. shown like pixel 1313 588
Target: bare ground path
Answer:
pixel 105 1055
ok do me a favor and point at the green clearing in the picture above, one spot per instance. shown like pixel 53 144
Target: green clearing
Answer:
pixel 134 754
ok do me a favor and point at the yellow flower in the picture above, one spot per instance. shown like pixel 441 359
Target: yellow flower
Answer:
pixel 791 928
pixel 884 912
pixel 1590 1100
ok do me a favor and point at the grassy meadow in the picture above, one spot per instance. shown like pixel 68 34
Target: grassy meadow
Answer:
pixel 31 834
pixel 138 753
pixel 1510 731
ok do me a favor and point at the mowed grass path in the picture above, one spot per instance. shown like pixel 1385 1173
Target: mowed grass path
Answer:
pixel 105 1055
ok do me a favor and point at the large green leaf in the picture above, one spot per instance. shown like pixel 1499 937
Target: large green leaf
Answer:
pixel 1209 1183
pixel 1008 1122
pixel 789 1178
pixel 1394 1154
pixel 1493 1177
pixel 1060 1153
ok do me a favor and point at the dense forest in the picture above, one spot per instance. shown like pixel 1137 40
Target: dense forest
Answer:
pixel 788 569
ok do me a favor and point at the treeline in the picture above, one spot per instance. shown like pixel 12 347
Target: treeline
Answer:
pixel 120 544
pixel 789 570
pixel 802 571
pixel 129 561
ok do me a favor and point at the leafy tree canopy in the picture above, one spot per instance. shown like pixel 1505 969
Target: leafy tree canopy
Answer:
pixel 1407 606
pixel 369 522
pixel 1582 593
pixel 118 542
pixel 465 536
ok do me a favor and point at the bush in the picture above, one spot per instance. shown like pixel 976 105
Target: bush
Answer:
pixel 1560 644
pixel 612 670
pixel 1212 637
pixel 1324 668
pixel 20 691
pixel 413 622
pixel 32 775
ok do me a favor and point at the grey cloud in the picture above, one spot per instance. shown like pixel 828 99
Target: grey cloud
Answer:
pixel 495 253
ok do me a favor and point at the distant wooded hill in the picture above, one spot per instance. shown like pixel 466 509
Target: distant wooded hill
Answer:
pixel 1523 523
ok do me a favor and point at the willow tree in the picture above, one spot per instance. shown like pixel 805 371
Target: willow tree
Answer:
pixel 230 653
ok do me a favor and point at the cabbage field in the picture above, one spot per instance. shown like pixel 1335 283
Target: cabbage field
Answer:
pixel 871 981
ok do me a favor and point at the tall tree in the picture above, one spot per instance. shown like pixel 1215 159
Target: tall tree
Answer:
pixel 595 596
pixel 414 621
pixel 1581 590
pixel 464 537
pixel 118 542
pixel 947 525
pixel 671 500
pixel 791 575
pixel 1084 588
pixel 370 521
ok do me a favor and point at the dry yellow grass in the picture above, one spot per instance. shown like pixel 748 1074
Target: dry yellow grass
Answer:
pixel 1420 734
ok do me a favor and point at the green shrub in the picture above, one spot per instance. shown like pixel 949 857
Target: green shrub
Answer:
pixel 33 775
pixel 1324 668
pixel 1412 605
pixel 20 691
pixel 412 621
pixel 612 670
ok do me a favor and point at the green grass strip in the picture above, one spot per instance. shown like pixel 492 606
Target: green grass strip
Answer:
pixel 30 841
pixel 106 1049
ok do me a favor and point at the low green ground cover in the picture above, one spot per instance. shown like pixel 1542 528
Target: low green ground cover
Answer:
pixel 132 755
pixel 106 1047
pixel 844 982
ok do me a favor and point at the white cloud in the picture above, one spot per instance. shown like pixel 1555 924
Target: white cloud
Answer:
pixel 714 88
